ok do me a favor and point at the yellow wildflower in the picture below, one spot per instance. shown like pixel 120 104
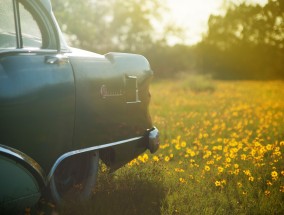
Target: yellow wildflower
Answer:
pixel 267 192
pixel 134 161
pixel 237 171
pixel 274 174
pixel 251 178
pixel 183 144
pixel 268 147
pixel 156 158
pixel 268 183
pixel 219 140
pixel 103 168
pixel 218 157
pixel 247 172
pixel 177 146
pixel 145 157
pixel 162 146
pixel 217 183
pixel 243 157
pixel 182 180
pixel 210 162
pixel 207 154
pixel 178 138
pixel 220 169
pixel 167 158
pixel 228 160
pixel 179 170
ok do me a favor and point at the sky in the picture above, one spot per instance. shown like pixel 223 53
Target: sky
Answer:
pixel 193 15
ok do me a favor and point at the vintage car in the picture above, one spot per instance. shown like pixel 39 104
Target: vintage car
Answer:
pixel 63 109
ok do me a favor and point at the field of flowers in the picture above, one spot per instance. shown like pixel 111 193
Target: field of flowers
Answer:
pixel 221 152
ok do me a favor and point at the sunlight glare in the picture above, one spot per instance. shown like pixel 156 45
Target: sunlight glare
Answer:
pixel 193 16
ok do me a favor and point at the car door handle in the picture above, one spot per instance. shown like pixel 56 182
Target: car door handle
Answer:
pixel 58 59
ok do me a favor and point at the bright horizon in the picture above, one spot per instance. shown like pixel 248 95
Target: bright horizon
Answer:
pixel 193 16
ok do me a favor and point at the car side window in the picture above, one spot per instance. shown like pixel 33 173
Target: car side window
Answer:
pixel 21 26
pixel 30 31
pixel 7 25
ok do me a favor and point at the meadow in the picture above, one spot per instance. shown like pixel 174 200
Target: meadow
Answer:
pixel 221 152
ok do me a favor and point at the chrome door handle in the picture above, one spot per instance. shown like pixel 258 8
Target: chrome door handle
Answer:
pixel 57 59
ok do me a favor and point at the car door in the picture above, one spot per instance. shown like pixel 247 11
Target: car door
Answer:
pixel 37 95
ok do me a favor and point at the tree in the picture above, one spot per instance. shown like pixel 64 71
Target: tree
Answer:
pixel 115 25
pixel 124 26
pixel 247 43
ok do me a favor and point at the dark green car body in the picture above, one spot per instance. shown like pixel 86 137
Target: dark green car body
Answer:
pixel 57 102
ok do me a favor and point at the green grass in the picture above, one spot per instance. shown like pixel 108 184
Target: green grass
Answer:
pixel 220 150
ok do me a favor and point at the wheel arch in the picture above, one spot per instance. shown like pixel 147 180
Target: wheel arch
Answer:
pixel 26 161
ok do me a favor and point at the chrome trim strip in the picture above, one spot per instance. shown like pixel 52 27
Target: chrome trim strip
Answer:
pixel 17 25
pixel 79 151
pixel 7 151
pixel 27 51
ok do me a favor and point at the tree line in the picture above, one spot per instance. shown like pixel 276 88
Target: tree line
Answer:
pixel 245 43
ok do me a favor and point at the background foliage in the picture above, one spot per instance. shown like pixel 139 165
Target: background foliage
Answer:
pixel 247 42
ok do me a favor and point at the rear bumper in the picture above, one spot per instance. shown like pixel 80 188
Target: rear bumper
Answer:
pixel 153 142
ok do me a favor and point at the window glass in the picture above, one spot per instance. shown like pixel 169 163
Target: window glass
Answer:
pixel 7 25
pixel 31 33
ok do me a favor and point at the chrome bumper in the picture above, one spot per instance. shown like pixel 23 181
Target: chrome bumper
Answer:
pixel 154 142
